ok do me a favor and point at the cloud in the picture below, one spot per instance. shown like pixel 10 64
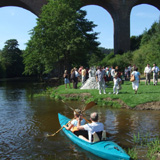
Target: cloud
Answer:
pixel 12 12
pixel 145 15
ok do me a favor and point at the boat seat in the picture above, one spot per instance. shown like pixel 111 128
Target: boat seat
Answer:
pixel 97 136
pixel 103 135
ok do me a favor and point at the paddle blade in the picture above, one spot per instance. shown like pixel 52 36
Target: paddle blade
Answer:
pixel 89 105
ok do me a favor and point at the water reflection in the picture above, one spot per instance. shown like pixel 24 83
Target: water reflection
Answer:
pixel 25 120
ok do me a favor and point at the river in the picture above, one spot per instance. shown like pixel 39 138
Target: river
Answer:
pixel 25 121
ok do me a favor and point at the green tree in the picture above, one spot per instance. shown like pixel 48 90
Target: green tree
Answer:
pixel 62 37
pixel 11 59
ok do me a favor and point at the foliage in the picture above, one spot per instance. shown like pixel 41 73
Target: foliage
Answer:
pixel 62 38
pixel 11 59
pixel 117 60
pixel 144 49
pixel 135 42
pixel 153 149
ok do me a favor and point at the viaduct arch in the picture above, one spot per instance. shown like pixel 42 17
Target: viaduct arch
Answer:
pixel 119 10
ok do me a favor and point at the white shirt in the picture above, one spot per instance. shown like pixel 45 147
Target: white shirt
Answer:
pixel 112 72
pixel 116 81
pixel 93 127
pixel 76 74
pixel 147 70
pixel 100 74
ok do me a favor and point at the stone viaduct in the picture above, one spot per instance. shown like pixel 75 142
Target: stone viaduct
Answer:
pixel 119 10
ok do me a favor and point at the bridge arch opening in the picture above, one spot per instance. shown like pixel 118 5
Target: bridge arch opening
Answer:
pixel 142 17
pixel 104 22
pixel 16 23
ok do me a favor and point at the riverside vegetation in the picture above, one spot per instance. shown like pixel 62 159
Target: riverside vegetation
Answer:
pixel 147 94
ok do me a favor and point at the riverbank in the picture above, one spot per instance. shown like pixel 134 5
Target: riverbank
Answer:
pixel 147 98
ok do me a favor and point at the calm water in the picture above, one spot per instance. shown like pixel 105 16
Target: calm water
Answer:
pixel 24 122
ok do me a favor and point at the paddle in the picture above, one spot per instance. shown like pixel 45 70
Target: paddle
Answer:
pixel 58 130
pixel 88 106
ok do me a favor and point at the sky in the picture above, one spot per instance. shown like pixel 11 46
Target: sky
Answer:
pixel 16 23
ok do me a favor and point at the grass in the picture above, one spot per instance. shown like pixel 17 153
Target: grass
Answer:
pixel 152 146
pixel 146 93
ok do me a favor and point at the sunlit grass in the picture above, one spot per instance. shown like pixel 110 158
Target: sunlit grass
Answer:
pixel 146 93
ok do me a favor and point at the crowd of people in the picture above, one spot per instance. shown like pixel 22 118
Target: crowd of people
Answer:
pixel 105 74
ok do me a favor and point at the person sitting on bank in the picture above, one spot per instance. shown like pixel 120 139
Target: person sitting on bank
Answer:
pixel 73 124
pixel 92 127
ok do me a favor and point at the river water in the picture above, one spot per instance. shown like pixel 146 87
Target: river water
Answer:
pixel 25 121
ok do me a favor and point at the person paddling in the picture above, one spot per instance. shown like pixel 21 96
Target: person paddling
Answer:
pixel 92 127
pixel 73 125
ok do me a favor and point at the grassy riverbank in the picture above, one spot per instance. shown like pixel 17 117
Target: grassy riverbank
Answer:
pixel 126 97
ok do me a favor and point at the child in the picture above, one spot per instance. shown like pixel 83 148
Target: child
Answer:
pixel 117 84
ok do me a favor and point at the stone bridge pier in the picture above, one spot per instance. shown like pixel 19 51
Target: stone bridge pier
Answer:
pixel 119 10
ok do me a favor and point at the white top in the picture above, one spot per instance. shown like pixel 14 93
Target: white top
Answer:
pixel 76 74
pixel 93 127
pixel 129 68
pixel 116 81
pixel 112 72
pixel 147 70
pixel 74 122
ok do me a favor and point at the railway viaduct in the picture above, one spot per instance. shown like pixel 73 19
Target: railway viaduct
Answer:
pixel 119 10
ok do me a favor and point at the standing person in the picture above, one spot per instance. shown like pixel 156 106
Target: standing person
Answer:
pixel 135 84
pixel 126 73
pixel 108 75
pixel 83 76
pixel 129 71
pixel 155 71
pixel 66 79
pixel 147 74
pixel 74 123
pixel 90 72
pixel 100 80
pixel 80 72
pixel 117 71
pixel 112 72
pixel 73 78
pixel 76 77
pixel 117 84
pixel 93 127
pixel 87 74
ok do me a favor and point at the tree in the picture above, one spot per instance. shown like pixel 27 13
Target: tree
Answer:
pixel 62 37
pixel 11 59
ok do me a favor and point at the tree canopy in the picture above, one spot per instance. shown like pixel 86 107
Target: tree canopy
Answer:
pixel 145 49
pixel 11 59
pixel 63 38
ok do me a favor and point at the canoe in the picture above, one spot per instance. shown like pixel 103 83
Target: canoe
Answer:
pixel 105 149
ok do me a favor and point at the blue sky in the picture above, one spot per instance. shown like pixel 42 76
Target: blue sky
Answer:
pixel 17 22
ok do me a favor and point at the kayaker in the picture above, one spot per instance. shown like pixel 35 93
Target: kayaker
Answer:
pixel 92 127
pixel 73 125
